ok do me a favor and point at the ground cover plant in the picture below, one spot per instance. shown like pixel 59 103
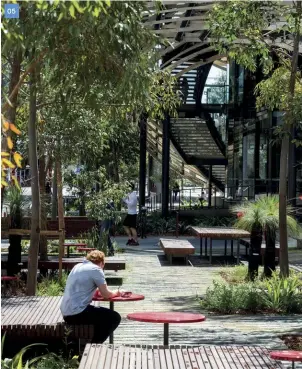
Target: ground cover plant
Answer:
pixel 235 295
pixel 49 360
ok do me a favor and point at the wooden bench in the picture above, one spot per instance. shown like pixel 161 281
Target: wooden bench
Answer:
pixel 98 356
pixel 68 264
pixel 246 243
pixel 176 248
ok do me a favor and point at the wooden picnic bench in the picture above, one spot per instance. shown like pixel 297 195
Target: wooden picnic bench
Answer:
pixel 220 233
pixel 68 264
pixel 100 356
pixel 176 248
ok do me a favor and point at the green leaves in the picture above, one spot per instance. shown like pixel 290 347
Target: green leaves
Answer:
pixel 72 11
pixel 240 29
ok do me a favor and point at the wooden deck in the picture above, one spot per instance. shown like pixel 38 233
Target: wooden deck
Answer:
pixel 68 263
pixel 37 316
pixel 176 357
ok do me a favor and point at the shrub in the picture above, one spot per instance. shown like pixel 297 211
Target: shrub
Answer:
pixel 283 294
pixel 229 299
pixel 213 221
pixel 278 295
pixel 52 286
pixel 235 275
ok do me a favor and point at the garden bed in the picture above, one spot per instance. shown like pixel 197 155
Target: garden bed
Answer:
pixel 293 342
pixel 235 295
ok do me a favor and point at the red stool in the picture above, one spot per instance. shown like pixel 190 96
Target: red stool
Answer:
pixel 287 355
pixel 6 279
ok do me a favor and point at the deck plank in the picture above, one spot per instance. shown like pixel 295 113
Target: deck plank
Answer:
pixel 183 357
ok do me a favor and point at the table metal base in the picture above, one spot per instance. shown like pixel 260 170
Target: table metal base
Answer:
pixel 225 248
pixel 111 306
pixel 166 334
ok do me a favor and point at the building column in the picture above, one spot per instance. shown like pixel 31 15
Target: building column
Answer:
pixel 210 187
pixel 165 166
pixel 292 168
pixel 150 169
pixel 142 160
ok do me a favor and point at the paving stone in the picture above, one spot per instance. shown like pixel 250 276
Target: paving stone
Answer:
pixel 175 288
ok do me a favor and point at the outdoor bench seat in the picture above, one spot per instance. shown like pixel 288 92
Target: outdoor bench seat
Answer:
pixel 98 356
pixel 176 247
pixel 246 243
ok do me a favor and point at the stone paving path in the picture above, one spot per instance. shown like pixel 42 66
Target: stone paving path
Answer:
pixel 174 288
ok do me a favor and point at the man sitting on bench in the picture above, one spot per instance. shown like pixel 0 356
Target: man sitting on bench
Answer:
pixel 81 285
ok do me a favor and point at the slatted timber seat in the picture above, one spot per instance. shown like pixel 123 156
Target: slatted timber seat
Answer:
pixel 39 316
pixel 176 248
pixel 68 263
pixel 246 242
pixel 97 356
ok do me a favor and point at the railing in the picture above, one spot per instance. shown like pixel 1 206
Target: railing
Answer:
pixel 215 94
pixel 197 198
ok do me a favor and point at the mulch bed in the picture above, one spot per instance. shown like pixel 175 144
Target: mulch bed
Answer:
pixel 293 342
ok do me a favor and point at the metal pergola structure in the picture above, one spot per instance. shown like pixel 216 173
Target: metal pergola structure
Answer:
pixel 188 46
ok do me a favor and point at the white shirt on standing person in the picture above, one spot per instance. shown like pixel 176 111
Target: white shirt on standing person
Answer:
pixel 131 201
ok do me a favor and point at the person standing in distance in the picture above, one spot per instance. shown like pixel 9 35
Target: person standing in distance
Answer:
pixel 130 220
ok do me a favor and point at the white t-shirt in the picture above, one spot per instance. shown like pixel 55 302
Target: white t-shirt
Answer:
pixel 131 201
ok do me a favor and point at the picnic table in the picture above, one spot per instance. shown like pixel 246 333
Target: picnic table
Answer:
pixel 166 318
pixel 219 233
pixel 73 244
pixel 126 296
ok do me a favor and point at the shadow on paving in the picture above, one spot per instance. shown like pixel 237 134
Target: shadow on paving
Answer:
pixel 195 261
pixel 185 303
pixel 197 336
pixel 278 319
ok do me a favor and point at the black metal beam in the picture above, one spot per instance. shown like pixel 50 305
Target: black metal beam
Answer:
pixel 207 161
pixel 184 23
pixel 142 160
pixel 210 187
pixel 165 166
pixel 214 132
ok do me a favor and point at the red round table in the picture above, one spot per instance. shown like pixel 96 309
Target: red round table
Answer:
pixel 125 297
pixel 287 355
pixel 166 318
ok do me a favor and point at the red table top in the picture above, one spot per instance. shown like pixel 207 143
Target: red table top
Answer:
pixel 75 244
pixel 8 278
pixel 287 355
pixel 129 297
pixel 86 248
pixel 166 317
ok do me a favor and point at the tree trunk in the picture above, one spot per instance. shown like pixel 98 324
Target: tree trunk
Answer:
pixel 11 111
pixel 54 201
pixel 254 252
pixel 61 215
pixel 35 217
pixel 116 175
pixel 43 198
pixel 284 264
pixel 14 251
pixel 270 254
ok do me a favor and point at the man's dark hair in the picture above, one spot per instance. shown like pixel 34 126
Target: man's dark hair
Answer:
pixel 131 186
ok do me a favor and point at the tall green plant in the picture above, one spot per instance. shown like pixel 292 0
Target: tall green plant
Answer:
pixel 262 216
pixel 17 361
